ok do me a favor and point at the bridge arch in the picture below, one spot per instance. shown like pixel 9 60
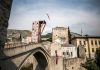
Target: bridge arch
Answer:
pixel 4 25
pixel 41 58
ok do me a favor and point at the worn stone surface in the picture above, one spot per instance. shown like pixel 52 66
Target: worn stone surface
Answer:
pixel 74 64
pixel 56 65
pixel 23 55
pixel 5 7
pixel 81 52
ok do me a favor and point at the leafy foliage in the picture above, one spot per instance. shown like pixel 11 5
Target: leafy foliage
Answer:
pixel 98 57
pixel 91 65
pixel 49 36
pixel 50 39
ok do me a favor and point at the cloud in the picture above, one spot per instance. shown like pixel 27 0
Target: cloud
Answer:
pixel 25 13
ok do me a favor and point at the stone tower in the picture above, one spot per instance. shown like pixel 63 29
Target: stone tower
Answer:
pixel 60 33
pixel 37 29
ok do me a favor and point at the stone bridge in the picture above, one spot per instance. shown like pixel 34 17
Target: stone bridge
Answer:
pixel 36 54
pixel 17 57
pixel 14 58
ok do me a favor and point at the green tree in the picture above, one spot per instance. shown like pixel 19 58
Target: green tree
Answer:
pixel 97 57
pixel 50 39
pixel 91 65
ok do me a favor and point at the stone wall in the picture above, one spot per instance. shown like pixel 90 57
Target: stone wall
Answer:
pixel 66 64
pixel 73 64
pixel 5 7
pixel 56 64
pixel 60 33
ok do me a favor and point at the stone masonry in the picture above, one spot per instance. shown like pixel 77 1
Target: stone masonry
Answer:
pixel 5 7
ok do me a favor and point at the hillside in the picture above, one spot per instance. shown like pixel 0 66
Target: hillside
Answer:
pixel 16 34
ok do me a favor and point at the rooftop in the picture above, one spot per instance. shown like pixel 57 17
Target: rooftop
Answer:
pixel 60 28
pixel 40 22
pixel 68 45
pixel 84 37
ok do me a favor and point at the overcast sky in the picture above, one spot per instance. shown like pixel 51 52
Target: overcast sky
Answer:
pixel 77 14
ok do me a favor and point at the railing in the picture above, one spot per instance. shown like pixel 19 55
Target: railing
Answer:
pixel 13 45
pixel 22 48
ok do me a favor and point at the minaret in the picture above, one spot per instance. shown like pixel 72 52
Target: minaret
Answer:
pixel 81 32
pixel 69 35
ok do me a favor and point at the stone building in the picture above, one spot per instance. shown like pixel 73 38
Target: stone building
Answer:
pixel 37 29
pixel 60 52
pixel 60 43
pixel 60 48
pixel 64 50
pixel 90 43
pixel 60 32
pixel 27 39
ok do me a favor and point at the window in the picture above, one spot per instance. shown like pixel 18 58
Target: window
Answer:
pixel 72 67
pixel 67 53
pixel 99 42
pixel 80 42
pixel 84 43
pixel 91 42
pixel 85 49
pixel 71 54
pixel 63 53
pixel 95 42
pixel 92 49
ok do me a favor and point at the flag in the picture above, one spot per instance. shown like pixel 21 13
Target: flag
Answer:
pixel 48 16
